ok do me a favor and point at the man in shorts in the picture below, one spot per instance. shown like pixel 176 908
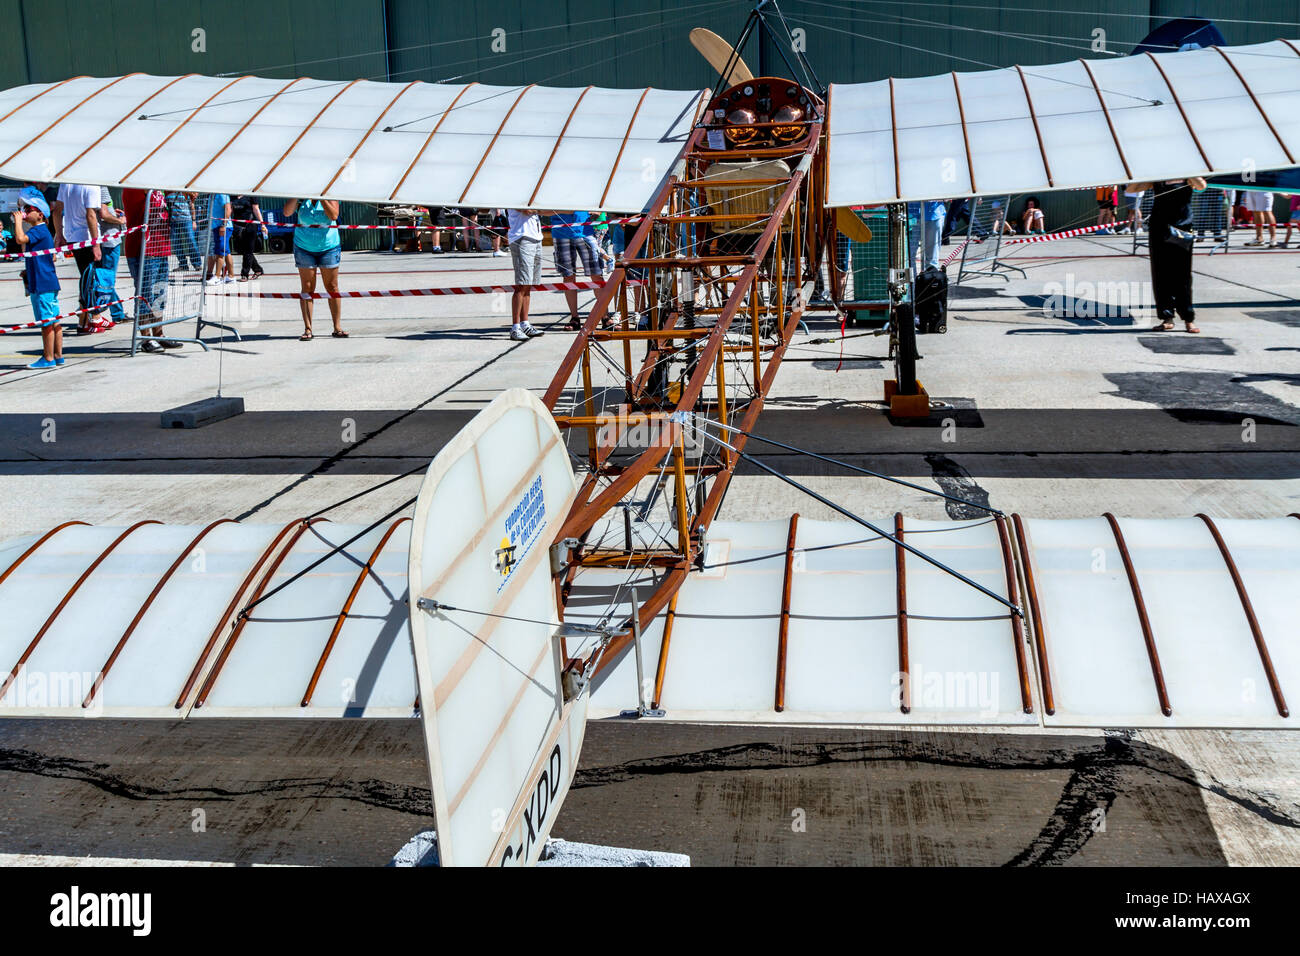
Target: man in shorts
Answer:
pixel 569 233
pixel 525 237
pixel 1261 208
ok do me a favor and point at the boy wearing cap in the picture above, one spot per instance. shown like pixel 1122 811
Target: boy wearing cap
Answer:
pixel 33 234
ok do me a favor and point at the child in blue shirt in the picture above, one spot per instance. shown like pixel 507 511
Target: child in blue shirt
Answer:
pixel 33 234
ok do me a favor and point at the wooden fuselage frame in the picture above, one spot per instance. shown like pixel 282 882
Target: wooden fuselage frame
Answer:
pixel 763 296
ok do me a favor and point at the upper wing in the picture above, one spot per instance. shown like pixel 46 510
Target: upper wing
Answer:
pixel 1081 123
pixel 473 145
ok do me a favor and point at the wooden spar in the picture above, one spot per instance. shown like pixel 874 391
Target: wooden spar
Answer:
pixel 904 662
pixel 1139 604
pixel 783 633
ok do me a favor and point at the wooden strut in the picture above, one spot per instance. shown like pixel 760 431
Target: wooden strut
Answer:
pixel 1148 636
pixel 1182 112
pixel 305 130
pixel 197 669
pixel 1017 625
pixel 1109 122
pixel 35 545
pixel 784 633
pixel 1264 657
pixel 365 572
pixel 904 666
pixel 585 513
pixel 556 148
pixel 429 139
pixel 1251 93
pixel 179 126
pixel 495 136
pixel 65 115
pixel 139 615
pixel 1037 132
pixel 965 138
pixel 669 619
pixel 72 591
pixel 135 112
pixel 239 132
pixel 1036 616
pixel 356 149
pixel 229 646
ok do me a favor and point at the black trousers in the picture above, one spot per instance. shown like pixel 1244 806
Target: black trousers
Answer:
pixel 1171 278
pixel 246 246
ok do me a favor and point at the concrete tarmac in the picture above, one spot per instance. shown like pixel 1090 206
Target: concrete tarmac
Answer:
pixel 1056 407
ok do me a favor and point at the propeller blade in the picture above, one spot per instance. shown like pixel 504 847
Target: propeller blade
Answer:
pixel 718 51
pixel 847 222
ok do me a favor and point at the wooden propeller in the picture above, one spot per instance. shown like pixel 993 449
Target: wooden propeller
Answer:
pixel 848 222
pixel 718 52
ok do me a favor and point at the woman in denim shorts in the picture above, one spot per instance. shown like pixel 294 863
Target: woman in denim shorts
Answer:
pixel 316 245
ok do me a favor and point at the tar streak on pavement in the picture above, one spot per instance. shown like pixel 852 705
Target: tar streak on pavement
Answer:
pixel 956 481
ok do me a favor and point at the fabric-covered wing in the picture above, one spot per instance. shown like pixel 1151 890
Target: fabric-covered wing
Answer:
pixel 473 145
pixel 1080 123
pixel 1185 622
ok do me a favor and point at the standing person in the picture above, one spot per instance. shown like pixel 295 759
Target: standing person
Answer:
pixel 525 237
pixel 316 245
pixel 180 210
pixel 569 233
pixel 1169 239
pixel 221 268
pixel 76 219
pixel 1105 209
pixel 113 221
pixel 1292 218
pixel 927 231
pixel 31 232
pixel 500 228
pixel 148 259
pixel 1261 207
pixel 249 232
pixel 1133 209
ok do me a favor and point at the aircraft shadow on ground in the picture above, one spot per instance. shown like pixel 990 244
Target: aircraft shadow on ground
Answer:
pixel 810 796
pixel 311 791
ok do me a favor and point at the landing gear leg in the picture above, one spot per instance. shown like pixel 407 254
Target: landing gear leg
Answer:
pixel 905 394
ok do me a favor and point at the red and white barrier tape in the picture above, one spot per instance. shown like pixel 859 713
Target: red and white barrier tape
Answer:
pixel 425 226
pixel 1067 234
pixel 9 256
pixel 578 286
pixel 65 315
pixel 954 254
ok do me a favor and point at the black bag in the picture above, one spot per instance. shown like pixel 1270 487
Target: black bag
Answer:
pixel 27 285
pixel 1180 238
pixel 932 300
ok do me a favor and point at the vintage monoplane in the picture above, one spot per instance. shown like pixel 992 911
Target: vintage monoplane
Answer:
pixel 565 557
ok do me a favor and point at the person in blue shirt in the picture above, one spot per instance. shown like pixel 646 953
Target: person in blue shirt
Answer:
pixel 316 245
pixel 221 268
pixel 568 233
pixel 31 232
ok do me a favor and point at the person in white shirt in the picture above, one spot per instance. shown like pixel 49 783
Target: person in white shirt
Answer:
pixel 525 238
pixel 76 219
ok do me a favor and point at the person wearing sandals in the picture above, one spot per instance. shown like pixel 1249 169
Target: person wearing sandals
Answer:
pixel 316 245
pixel 1170 237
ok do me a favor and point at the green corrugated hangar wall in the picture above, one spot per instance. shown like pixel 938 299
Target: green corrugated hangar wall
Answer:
pixel 578 42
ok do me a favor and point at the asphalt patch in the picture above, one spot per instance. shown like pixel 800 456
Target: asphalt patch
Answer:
pixel 1288 317
pixel 1170 343
pixel 1204 397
